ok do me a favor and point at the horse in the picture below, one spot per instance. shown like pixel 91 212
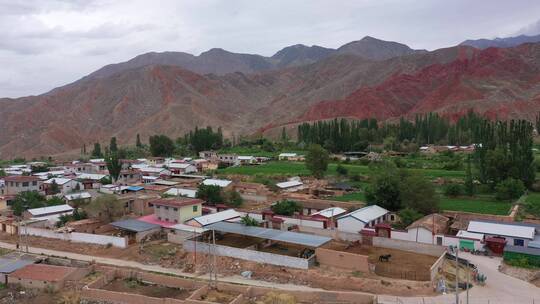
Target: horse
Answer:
pixel 385 258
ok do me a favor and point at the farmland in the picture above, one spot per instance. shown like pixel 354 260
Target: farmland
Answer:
pixel 484 205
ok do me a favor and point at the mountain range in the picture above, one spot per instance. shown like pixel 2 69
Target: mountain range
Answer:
pixel 172 92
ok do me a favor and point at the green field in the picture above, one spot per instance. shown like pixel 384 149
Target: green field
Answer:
pixel 476 205
pixel 353 196
pixel 299 168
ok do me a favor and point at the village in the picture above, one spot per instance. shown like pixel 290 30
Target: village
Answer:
pixel 209 218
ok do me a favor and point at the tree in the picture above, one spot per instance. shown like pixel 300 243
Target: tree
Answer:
pixel 106 180
pixel 210 193
pixel 2 173
pixel 96 153
pixel 407 216
pixel 233 198
pixel 384 189
pixel 54 189
pixel 284 137
pixel 161 145
pixel 113 164
pixel 138 143
pixel 509 189
pixel 341 170
pixel 27 200
pixel 469 183
pixel 106 207
pixel 286 207
pixel 453 190
pixel 113 147
pixel 248 221
pixel 418 193
pixel 317 160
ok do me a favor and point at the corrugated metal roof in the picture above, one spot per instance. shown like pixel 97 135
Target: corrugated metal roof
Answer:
pixel 134 225
pixel 330 212
pixel 50 210
pixel 188 228
pixel 367 214
pixel 217 182
pixel 470 235
pixel 289 184
pixel 182 192
pixel 502 229
pixel 217 217
pixel 11 263
pixel 272 234
pixel 58 180
pixel 287 155
pixel 521 249
pixel 74 196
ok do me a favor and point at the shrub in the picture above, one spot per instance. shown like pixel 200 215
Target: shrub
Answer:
pixel 341 170
pixel 249 221
pixel 286 207
pixel 453 190
pixel 509 189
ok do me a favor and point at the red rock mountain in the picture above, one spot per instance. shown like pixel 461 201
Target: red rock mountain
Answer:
pixel 163 98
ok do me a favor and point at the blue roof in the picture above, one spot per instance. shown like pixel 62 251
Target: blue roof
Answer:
pixel 134 225
pixel 9 263
pixel 134 188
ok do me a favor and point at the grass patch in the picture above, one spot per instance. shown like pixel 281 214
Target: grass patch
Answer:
pixel 299 168
pixel 482 205
pixel 353 196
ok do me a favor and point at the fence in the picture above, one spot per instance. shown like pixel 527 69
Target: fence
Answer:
pixel 77 237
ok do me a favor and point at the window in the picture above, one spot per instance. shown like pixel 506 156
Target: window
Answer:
pixel 34 183
pixel 152 205
pixel 166 208
pixel 175 209
pixel 519 242
pixel 176 221
pixel 158 206
pixel 25 184
pixel 159 218
pixel 392 217
pixel 195 208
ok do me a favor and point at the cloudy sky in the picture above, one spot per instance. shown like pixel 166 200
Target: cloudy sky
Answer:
pixel 45 44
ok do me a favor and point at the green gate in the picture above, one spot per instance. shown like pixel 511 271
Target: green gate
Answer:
pixel 467 244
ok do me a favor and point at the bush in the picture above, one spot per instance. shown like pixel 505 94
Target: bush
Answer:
pixel 286 207
pixel 249 221
pixel 341 170
pixel 453 190
pixel 509 189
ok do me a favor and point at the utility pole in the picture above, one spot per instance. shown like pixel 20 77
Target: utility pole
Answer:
pixel 467 287
pixel 457 275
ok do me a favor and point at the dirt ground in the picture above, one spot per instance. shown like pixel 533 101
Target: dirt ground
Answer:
pixel 156 291
pixel 402 264
pixel 32 296
pixel 218 296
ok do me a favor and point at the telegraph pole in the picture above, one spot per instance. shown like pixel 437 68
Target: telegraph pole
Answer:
pixel 457 275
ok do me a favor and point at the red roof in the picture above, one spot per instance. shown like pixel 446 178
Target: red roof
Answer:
pixel 153 220
pixel 42 272
pixel 496 240
pixel 177 202
pixel 22 178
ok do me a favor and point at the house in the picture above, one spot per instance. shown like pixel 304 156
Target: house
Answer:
pixel 50 213
pixel 91 180
pixel 177 210
pixel 14 261
pixel 129 176
pixel 136 230
pixel 77 198
pixel 182 168
pixel 328 213
pixel 246 160
pixel 290 186
pixel 212 218
pixel 155 172
pixel 138 203
pixel 228 159
pixel 209 155
pixel 17 184
pixel 424 229
pixel 290 157
pixel 205 165
pixel 191 193
pixel 359 219
pixel 65 185
pixel 155 160
pixel 509 233
pixel 43 276
pixel 223 183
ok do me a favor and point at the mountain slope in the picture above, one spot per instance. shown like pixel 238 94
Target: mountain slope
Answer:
pixel 502 83
pixel 501 42
pixel 376 49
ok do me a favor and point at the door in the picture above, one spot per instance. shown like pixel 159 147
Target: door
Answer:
pixel 466 244
pixel 439 240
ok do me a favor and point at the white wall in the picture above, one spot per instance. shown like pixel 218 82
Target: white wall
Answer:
pixel 350 224
pixel 77 237
pixel 300 222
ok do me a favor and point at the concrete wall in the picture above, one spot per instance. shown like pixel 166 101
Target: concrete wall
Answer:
pixel 434 270
pixel 415 247
pixel 250 255
pixel 335 234
pixel 77 237
pixel 319 296
pixel 350 224
pixel 300 222
pixel 420 235
pixel 344 260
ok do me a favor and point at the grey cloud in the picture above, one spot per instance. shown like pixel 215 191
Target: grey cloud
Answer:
pixel 531 29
